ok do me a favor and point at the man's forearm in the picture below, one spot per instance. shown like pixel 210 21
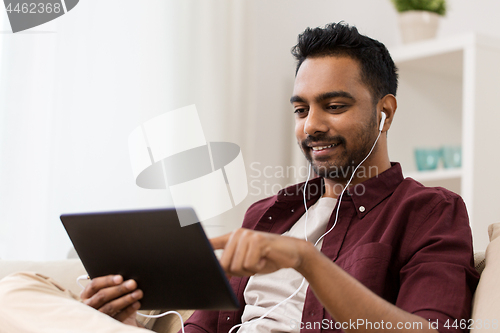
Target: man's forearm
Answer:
pixel 345 298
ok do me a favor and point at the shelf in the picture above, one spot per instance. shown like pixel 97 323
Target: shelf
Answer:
pixel 433 175
pixel 440 46
pixel 440 56
pixel 430 48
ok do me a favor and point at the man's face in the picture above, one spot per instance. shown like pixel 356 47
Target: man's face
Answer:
pixel 335 118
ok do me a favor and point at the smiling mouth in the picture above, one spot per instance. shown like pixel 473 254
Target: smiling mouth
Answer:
pixel 320 148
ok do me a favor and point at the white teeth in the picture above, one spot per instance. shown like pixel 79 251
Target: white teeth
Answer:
pixel 322 147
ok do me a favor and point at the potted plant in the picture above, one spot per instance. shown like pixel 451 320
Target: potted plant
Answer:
pixel 419 19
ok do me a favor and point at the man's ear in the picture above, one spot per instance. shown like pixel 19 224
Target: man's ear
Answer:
pixel 387 104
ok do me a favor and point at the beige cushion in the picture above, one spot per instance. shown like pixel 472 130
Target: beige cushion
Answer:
pixel 479 261
pixel 494 231
pixel 486 303
pixel 64 272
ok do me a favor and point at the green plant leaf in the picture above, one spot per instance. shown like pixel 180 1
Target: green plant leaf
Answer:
pixel 434 6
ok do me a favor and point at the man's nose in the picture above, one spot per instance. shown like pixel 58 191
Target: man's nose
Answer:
pixel 315 122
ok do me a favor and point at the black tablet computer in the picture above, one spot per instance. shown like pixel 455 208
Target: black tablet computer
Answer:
pixel 174 266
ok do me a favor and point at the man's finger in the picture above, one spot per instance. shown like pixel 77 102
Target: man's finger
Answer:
pixel 120 304
pixel 254 260
pixel 220 242
pixel 100 283
pixel 107 295
pixel 227 256
pixel 239 254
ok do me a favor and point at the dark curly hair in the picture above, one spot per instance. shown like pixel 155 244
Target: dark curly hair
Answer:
pixel 339 39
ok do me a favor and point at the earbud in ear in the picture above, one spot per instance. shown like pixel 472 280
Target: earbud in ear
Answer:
pixel 382 121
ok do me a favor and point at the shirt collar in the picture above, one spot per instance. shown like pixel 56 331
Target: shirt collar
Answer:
pixel 373 191
pixel 365 195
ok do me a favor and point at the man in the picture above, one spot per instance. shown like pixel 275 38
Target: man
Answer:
pixel 399 254
pixel 382 252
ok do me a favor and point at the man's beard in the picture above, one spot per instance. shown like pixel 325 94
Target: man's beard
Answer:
pixel 342 166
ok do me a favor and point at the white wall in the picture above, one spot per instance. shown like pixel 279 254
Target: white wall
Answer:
pixel 73 89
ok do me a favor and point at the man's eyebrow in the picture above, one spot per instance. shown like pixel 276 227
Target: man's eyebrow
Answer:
pixel 296 98
pixel 324 96
pixel 333 94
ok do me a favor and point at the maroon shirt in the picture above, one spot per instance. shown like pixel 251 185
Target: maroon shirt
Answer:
pixel 409 244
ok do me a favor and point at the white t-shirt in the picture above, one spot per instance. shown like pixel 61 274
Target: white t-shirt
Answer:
pixel 265 291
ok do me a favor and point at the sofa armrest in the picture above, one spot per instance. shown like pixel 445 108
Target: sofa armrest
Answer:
pixel 486 302
pixel 64 272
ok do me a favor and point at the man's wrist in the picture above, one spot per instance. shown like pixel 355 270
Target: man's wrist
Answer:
pixel 308 255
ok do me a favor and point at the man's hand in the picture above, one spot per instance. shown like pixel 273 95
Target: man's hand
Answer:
pixel 247 252
pixel 114 297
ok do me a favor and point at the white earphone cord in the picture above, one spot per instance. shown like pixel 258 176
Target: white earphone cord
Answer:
pixel 164 314
pixel 305 227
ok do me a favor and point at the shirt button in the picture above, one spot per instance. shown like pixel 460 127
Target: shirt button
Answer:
pixel 362 209
pixel 228 318
pixel 293 210
pixel 270 217
pixel 285 194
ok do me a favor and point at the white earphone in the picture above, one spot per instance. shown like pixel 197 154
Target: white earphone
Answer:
pixel 382 122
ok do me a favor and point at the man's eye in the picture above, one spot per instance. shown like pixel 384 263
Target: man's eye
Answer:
pixel 336 107
pixel 300 111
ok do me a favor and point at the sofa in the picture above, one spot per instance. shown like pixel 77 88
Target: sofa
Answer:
pixel 485 307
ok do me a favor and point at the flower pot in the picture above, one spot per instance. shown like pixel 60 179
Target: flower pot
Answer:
pixel 418 25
